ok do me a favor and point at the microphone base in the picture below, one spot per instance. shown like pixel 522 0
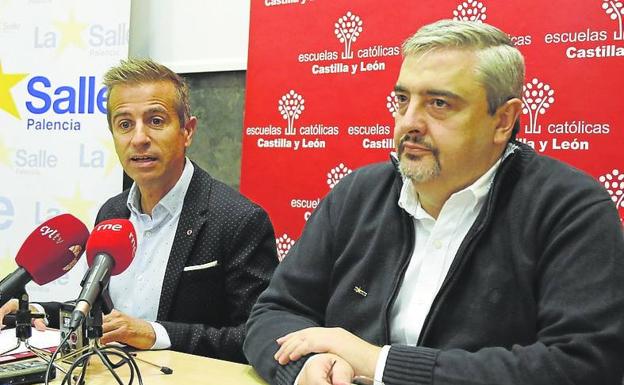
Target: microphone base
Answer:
pixel 23 318
pixel 77 339
pixel 94 320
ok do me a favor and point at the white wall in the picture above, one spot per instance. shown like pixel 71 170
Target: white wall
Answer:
pixel 191 35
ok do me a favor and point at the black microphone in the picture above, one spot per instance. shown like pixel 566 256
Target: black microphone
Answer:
pixel 110 250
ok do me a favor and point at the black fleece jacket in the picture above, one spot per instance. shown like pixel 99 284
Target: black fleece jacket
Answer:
pixel 535 294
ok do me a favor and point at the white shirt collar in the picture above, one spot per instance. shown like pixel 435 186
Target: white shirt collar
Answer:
pixel 172 201
pixel 408 199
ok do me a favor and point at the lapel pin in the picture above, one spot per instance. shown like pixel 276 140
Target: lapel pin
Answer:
pixel 360 291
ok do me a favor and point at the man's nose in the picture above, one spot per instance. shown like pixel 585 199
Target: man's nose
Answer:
pixel 141 135
pixel 412 119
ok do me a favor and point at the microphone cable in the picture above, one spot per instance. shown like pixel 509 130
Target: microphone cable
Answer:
pixel 163 369
pixel 104 353
pixel 53 358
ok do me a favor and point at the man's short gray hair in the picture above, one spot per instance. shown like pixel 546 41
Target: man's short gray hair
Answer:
pixel 136 71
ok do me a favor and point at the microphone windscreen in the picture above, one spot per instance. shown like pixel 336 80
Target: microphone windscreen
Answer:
pixel 116 238
pixel 53 248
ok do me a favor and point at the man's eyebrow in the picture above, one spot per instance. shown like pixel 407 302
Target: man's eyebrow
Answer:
pixel 443 93
pixel 399 88
pixel 158 109
pixel 151 110
pixel 432 92
pixel 117 114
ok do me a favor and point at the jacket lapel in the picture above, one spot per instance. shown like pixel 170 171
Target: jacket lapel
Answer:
pixel 192 218
pixel 115 208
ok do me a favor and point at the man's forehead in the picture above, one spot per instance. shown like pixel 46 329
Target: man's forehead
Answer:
pixel 146 108
pixel 144 97
pixel 442 58
pixel 450 69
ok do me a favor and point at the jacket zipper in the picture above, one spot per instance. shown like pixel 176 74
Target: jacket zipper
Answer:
pixel 446 285
pixel 398 277
pixel 464 252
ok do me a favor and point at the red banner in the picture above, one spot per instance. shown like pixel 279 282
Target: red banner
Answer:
pixel 320 75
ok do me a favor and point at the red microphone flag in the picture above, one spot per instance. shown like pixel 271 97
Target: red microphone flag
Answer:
pixel 116 238
pixel 53 248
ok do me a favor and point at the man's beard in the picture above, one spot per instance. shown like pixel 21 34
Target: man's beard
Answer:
pixel 414 167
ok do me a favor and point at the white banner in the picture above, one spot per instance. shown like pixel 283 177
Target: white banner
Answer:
pixel 56 153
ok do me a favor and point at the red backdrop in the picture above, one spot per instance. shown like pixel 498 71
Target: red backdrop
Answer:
pixel 320 75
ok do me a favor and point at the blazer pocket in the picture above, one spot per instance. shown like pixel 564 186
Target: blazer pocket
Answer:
pixel 203 266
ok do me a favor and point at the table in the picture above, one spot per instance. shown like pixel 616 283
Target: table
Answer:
pixel 187 369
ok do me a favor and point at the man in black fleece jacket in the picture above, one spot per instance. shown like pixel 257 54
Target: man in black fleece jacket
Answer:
pixel 467 259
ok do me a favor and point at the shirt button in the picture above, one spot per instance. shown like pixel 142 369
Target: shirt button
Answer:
pixel 147 233
pixel 437 244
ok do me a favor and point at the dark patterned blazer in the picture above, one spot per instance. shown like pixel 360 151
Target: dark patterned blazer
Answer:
pixel 204 311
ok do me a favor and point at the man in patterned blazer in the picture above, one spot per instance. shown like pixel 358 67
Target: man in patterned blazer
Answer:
pixel 204 251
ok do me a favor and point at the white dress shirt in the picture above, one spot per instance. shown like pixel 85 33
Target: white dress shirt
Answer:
pixel 136 291
pixel 435 245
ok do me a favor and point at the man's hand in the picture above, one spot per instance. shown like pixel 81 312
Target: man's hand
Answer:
pixel 11 307
pixel 119 327
pixel 361 355
pixel 326 369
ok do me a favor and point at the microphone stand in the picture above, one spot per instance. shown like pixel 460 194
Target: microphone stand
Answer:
pixel 23 331
pixel 94 333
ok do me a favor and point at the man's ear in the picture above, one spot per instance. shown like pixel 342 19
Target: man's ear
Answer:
pixel 506 115
pixel 189 130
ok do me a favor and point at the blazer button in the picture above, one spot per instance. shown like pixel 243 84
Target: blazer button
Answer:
pixel 189 232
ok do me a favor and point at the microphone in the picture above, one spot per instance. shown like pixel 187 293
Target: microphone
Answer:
pixel 48 253
pixel 110 250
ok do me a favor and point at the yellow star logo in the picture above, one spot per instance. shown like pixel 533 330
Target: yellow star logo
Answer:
pixel 4 153
pixel 112 161
pixel 71 31
pixel 7 81
pixel 78 206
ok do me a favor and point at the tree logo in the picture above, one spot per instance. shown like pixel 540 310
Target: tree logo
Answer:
pixel 335 174
pixel 347 30
pixel 537 97
pixel 291 105
pixel 614 10
pixel 284 243
pixel 614 183
pixel 470 10
pixel 392 104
